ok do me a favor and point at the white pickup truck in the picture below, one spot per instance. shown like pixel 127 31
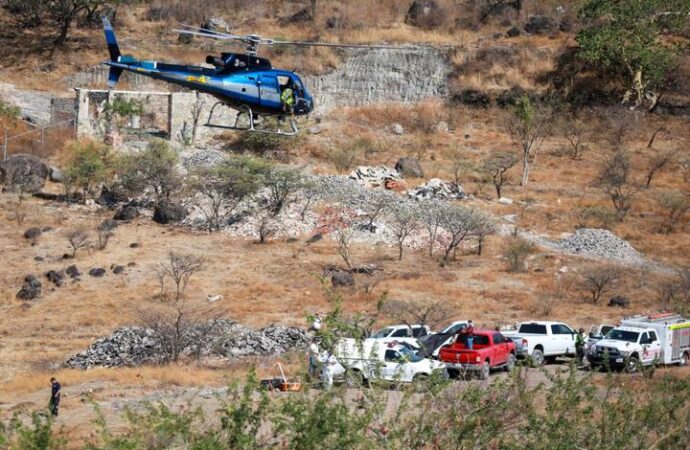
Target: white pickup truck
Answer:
pixel 373 359
pixel 645 340
pixel 405 334
pixel 543 341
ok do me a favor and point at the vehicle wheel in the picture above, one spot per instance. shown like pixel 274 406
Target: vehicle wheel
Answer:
pixel 510 365
pixel 354 378
pixel 484 372
pixel 632 364
pixel 684 359
pixel 538 358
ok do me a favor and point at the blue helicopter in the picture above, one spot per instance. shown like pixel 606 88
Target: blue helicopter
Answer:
pixel 242 81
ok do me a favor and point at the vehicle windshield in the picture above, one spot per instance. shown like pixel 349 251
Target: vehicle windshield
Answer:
pixel 382 333
pixel 409 354
pixel 623 335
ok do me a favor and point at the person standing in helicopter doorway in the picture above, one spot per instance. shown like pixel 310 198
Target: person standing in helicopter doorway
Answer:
pixel 287 97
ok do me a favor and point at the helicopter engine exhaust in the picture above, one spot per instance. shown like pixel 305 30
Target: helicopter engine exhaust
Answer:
pixel 215 61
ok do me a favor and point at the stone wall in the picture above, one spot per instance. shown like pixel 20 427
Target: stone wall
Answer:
pixel 177 116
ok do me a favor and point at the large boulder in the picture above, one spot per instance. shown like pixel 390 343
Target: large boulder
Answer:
pixel 409 167
pixel 56 175
pixel 127 212
pixel 216 24
pixel 539 25
pixel 110 198
pixel 30 289
pixel 424 14
pixel 165 213
pixel 342 278
pixel 24 172
pixel 33 233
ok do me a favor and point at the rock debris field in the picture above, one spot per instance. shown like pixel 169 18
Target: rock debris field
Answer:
pixel 601 244
pixel 135 346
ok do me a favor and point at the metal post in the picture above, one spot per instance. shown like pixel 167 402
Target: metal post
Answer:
pixel 4 146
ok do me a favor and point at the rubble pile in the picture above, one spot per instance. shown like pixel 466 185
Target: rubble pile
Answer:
pixel 134 346
pixel 600 243
pixel 375 176
pixel 127 346
pixel 437 189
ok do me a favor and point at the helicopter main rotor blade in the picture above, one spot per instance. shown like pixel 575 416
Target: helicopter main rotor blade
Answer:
pixel 219 36
pixel 206 31
pixel 329 44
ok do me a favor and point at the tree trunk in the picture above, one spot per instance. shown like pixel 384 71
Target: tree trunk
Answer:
pixel 400 251
pixel 498 190
pixel 525 170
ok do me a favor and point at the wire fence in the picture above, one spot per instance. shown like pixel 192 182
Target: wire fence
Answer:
pixel 37 138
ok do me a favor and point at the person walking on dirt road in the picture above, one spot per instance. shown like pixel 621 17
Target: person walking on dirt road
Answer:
pixel 54 403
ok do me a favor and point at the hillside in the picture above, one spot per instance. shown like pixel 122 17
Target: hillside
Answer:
pixel 431 139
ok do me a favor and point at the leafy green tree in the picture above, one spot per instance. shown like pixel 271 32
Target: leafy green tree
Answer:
pixel 220 189
pixel 90 164
pixel 624 38
pixel 154 168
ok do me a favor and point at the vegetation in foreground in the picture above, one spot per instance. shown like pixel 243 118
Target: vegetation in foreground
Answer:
pixel 568 411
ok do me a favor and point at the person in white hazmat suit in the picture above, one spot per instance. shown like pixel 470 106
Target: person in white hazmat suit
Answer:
pixel 328 371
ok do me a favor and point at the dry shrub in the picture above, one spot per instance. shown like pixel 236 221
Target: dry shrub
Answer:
pixel 420 117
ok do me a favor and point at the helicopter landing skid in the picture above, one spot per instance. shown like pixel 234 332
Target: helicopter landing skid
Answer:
pixel 251 122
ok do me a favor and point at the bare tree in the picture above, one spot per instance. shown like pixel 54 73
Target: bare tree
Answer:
pixel 179 268
pixel 674 291
pixel 78 238
pixel 528 127
pixel 657 162
pixel 179 328
pixel 430 213
pixel 614 179
pixel 105 232
pixel 459 223
pixel 485 227
pixel 495 167
pixel 658 131
pixel 675 205
pixel 404 220
pixel 338 221
pixel 574 134
pixel 598 279
pixel 516 252
pixel 377 203
pixel 430 313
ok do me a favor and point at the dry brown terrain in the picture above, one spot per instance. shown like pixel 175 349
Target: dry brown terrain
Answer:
pixel 278 282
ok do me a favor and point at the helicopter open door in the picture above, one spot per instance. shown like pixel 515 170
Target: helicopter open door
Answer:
pixel 269 93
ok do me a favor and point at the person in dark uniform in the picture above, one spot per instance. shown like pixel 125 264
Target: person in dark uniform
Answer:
pixel 54 404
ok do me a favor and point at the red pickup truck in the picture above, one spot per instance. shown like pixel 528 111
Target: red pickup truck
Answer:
pixel 488 350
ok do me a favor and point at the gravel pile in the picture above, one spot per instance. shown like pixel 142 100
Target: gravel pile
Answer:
pixel 134 346
pixel 600 243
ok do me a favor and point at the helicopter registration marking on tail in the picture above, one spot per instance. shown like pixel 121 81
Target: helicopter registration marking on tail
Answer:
pixel 200 79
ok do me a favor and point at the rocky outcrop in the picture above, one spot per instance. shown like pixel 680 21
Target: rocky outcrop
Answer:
pixel 24 172
pixel 379 76
pixel 166 213
pixel 31 288
pixel 409 167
